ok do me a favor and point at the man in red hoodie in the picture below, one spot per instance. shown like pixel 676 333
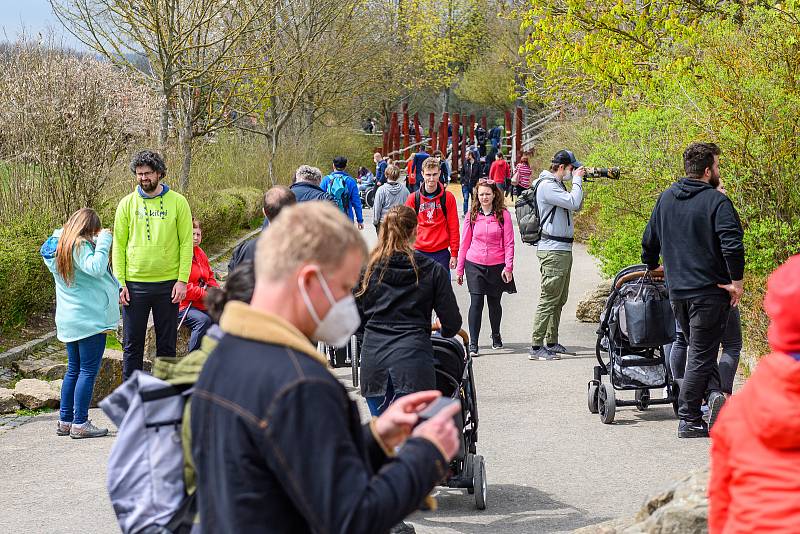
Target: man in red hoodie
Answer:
pixel 755 446
pixel 437 217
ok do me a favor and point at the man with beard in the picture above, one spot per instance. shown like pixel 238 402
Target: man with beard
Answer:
pixel 697 232
pixel 152 258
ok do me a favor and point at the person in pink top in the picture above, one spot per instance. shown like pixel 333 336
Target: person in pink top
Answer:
pixel 486 256
pixel 521 180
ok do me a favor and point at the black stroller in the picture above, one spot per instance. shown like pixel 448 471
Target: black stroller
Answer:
pixel 454 378
pixel 630 344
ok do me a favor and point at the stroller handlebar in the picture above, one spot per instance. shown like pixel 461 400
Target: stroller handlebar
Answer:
pixel 437 326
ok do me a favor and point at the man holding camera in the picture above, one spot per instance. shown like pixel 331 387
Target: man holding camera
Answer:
pixel 697 232
pixel 556 207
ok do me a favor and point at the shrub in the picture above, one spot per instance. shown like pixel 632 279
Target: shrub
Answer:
pixel 224 213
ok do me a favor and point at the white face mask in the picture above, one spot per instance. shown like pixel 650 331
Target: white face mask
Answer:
pixel 341 321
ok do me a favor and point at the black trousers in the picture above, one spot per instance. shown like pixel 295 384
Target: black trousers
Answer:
pixel 703 321
pixel 144 297
pixel 476 315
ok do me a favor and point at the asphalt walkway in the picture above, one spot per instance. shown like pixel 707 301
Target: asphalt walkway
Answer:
pixel 551 465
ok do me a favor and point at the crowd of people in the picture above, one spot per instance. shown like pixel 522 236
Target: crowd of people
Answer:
pixel 270 437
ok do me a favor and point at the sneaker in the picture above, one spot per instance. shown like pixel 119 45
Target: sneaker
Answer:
pixel 558 348
pixel 497 341
pixel 87 430
pixel 692 430
pixel 473 350
pixel 715 403
pixel 63 428
pixel 403 528
pixel 542 353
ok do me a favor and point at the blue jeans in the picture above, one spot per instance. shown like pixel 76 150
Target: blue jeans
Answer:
pixel 378 405
pixel 198 322
pixel 467 195
pixel 442 257
pixel 83 363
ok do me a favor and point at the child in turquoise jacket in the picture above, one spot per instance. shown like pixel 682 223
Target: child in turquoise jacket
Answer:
pixel 87 306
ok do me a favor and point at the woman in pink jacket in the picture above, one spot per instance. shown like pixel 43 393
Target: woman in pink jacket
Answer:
pixel 486 255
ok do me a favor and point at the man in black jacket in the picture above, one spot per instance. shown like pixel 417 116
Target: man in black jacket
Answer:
pixel 275 199
pixel 278 444
pixel 306 185
pixel 697 232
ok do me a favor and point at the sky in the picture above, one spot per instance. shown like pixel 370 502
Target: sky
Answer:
pixel 34 16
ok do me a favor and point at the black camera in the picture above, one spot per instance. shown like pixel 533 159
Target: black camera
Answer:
pixel 603 172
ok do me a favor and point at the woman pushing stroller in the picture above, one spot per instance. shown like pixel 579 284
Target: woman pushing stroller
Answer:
pixel 400 289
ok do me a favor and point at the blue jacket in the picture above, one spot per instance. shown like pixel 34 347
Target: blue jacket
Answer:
pixel 90 305
pixel 354 199
pixel 305 192
pixel 380 169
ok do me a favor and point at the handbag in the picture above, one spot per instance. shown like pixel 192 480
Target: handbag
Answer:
pixel 648 315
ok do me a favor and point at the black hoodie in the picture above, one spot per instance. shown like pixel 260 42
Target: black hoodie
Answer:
pixel 697 231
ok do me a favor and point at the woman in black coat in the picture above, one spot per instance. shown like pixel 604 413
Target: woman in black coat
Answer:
pixel 399 291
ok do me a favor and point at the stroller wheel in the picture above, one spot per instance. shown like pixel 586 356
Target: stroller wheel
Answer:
pixel 369 197
pixel 592 397
pixel 642 399
pixel 675 391
pixel 355 359
pixel 606 403
pixel 479 482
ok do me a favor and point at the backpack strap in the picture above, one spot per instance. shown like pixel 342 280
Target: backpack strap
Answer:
pixel 416 201
pixel 551 216
pixel 442 202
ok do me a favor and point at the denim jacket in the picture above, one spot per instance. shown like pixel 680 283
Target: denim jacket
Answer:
pixel 279 446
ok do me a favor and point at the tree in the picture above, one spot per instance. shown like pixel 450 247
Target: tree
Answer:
pixel 200 53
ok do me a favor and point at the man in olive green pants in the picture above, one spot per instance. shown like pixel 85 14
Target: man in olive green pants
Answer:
pixel 556 207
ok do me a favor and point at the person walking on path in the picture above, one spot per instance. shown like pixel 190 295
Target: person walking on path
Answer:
pixel 556 207
pixel 380 167
pixel 87 296
pixel 437 218
pixel 192 311
pixel 415 168
pixel 500 171
pixel 697 232
pixel 486 256
pixel 278 445
pixel 388 195
pixel 754 484
pixel 152 259
pixel 470 174
pixel 306 186
pixel 521 179
pixel 399 291
pixel 444 171
pixel 275 199
pixel 344 190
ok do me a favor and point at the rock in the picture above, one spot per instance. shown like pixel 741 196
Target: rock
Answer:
pixel 682 507
pixel 593 303
pixel 53 372
pixel 109 377
pixel 45 369
pixel 55 385
pixel 8 404
pixel 34 394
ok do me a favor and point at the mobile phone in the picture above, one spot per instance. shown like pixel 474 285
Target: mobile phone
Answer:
pixel 435 407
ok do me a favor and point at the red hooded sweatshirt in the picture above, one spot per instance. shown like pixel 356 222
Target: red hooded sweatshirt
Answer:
pixel 201 278
pixel 755 447
pixel 436 232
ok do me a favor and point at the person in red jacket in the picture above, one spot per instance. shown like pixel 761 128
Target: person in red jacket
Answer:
pixel 500 171
pixel 192 311
pixel 755 447
pixel 437 217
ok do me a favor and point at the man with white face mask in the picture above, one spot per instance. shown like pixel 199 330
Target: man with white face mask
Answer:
pixel 277 442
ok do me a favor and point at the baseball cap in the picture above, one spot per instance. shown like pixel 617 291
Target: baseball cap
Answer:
pixel 566 157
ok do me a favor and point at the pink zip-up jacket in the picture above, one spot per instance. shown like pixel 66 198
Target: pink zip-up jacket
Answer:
pixel 486 242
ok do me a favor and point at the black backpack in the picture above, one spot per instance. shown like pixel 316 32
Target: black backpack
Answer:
pixel 528 218
pixel 442 202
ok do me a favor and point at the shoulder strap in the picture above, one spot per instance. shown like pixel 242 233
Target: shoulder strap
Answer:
pixel 443 202
pixel 416 201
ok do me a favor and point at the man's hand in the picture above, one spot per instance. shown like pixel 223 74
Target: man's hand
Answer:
pixel 441 430
pixel 658 270
pixel 361 226
pixel 460 279
pixel 178 292
pixel 580 172
pixel 735 289
pixel 396 423
pixel 453 263
pixel 124 296
pixel 507 276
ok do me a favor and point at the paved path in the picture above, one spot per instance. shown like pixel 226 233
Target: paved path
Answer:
pixel 551 466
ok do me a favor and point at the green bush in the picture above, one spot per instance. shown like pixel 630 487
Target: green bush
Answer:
pixel 224 213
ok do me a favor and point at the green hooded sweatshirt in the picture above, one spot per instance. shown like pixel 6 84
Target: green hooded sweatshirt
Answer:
pixel 152 238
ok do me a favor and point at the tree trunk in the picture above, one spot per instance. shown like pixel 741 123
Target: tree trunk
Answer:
pixel 163 125
pixel 185 141
pixel 273 149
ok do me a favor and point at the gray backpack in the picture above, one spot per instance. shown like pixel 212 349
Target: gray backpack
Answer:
pixel 145 468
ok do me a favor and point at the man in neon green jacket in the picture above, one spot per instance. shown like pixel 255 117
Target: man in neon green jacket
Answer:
pixel 152 259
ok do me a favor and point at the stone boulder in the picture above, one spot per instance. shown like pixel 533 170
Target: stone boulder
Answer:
pixel 8 404
pixel 682 507
pixel 35 394
pixel 44 369
pixel 593 303
pixel 109 377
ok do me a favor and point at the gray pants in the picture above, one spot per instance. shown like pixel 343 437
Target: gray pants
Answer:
pixel 728 362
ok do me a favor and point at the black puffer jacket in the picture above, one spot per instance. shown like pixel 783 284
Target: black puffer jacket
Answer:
pixel 396 320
